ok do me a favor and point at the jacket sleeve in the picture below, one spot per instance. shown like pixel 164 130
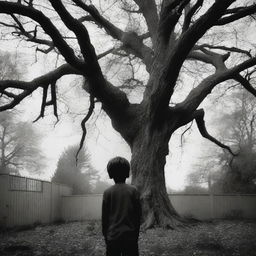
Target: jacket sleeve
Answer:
pixel 104 215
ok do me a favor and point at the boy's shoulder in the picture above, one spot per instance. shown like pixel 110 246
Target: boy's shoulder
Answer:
pixel 106 191
pixel 117 187
pixel 132 187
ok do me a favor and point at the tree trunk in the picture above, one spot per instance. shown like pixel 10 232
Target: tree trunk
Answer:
pixel 147 164
pixel 2 163
pixel 149 147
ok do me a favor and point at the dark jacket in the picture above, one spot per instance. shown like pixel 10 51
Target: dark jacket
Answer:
pixel 121 213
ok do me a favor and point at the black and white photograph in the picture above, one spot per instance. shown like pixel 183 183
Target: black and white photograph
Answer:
pixel 128 127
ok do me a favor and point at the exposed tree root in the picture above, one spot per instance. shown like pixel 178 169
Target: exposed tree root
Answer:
pixel 165 222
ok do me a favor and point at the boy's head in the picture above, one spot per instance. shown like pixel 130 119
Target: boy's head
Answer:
pixel 118 169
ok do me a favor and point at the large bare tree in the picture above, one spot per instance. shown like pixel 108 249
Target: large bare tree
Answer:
pixel 168 35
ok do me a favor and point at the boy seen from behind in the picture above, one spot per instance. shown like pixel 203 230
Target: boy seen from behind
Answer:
pixel 121 212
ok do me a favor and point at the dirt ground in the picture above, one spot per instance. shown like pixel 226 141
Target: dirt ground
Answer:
pixel 222 238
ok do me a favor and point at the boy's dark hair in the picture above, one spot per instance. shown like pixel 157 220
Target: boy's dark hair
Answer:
pixel 118 168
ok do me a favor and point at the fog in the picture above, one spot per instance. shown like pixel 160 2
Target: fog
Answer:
pixel 102 141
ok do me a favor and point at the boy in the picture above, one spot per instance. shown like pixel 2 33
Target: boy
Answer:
pixel 121 212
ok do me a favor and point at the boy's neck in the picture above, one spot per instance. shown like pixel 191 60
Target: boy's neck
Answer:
pixel 119 182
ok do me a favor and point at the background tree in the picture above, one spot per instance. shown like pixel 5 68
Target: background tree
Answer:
pixel 239 176
pixel 239 173
pixel 100 186
pixel 223 172
pixel 172 37
pixel 76 174
pixel 19 142
pixel 19 146
pixel 205 175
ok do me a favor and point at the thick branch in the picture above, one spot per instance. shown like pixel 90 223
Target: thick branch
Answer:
pixel 189 15
pixel 149 10
pixel 78 28
pixel 48 27
pixel 169 17
pixel 196 55
pixel 110 96
pixel 188 40
pixel 237 13
pixel 28 87
pixel 54 99
pixel 162 92
pixel 43 105
pixel 199 117
pixel 111 29
pixel 210 57
pixel 132 43
pixel 16 99
pixel 199 93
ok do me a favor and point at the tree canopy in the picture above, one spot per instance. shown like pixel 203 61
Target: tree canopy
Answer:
pixel 19 146
pixel 240 172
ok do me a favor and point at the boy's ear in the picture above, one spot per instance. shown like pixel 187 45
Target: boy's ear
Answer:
pixel 110 175
pixel 127 174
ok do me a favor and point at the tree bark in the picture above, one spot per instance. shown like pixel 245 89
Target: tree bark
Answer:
pixel 149 152
pixel 2 163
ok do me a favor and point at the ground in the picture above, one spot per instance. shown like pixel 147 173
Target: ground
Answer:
pixel 222 238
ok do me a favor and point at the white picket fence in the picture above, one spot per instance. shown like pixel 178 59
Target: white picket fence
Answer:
pixel 25 201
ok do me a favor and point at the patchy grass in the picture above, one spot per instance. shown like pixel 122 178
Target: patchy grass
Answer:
pixel 219 238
